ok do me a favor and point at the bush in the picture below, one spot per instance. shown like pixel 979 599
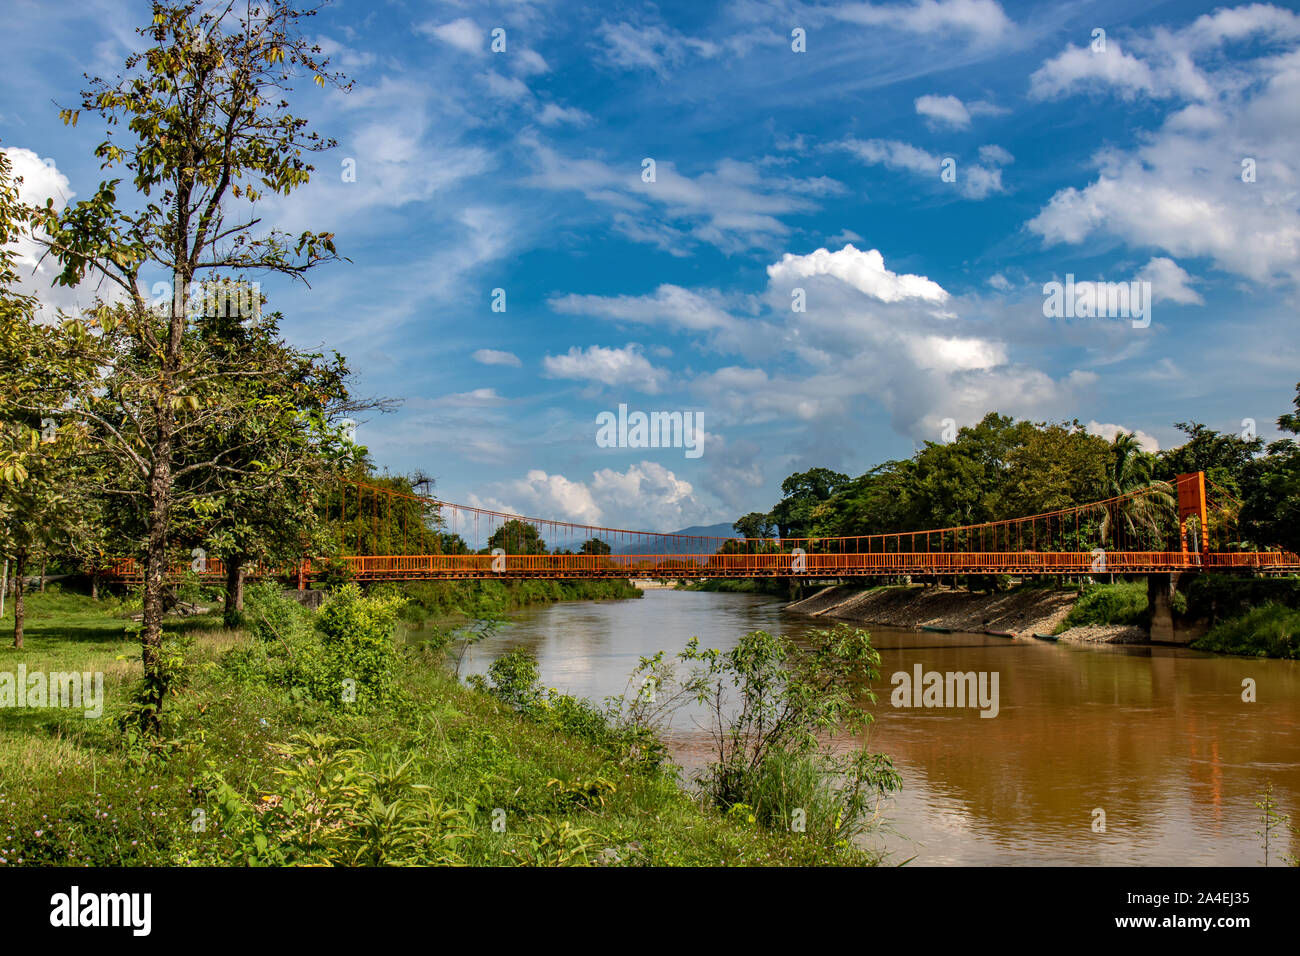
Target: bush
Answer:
pixel 514 681
pixel 1269 631
pixel 1219 596
pixel 344 655
pixel 783 700
pixel 1121 603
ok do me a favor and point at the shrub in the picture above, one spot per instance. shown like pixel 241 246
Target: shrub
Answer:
pixel 1121 603
pixel 1269 631
pixel 783 699
pixel 344 655
pixel 341 806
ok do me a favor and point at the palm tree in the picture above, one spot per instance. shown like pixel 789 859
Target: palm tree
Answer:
pixel 1149 502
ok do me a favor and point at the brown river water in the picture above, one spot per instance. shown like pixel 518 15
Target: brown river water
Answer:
pixel 1157 738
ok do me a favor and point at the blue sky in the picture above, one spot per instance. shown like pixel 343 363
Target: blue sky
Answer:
pixel 775 170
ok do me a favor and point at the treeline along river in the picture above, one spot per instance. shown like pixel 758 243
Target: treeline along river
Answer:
pixel 1158 739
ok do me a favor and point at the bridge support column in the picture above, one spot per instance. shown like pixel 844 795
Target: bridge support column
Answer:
pixel 1160 595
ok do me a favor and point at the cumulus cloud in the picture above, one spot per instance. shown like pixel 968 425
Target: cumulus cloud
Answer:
pixel 1109 431
pixel 645 496
pixel 864 271
pixel 869 337
pixel 1169 282
pixel 626 367
pixel 1218 177
pixel 463 34
pixel 41 181
pixel 946 110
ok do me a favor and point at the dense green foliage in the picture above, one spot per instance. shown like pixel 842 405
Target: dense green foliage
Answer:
pixel 342 655
pixel 1272 630
pixel 1215 597
pixel 1121 603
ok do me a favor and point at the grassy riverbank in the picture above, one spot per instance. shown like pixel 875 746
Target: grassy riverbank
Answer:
pixel 484 598
pixel 1249 616
pixel 248 772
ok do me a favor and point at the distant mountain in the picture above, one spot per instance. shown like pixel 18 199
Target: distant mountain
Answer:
pixel 688 544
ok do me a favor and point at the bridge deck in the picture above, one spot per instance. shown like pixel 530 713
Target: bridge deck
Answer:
pixel 460 567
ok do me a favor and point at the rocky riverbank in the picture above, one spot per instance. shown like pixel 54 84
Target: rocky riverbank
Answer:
pixel 1022 612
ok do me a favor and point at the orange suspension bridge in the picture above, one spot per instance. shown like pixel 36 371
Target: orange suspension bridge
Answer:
pixel 387 535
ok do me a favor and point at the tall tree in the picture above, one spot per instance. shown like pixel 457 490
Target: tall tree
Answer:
pixel 1271 510
pixel 517 537
pixel 801 493
pixel 1140 518
pixel 208 131
pixel 34 454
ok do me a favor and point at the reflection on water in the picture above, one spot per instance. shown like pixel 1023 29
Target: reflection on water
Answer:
pixel 1158 738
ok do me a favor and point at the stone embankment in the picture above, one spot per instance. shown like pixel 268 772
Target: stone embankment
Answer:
pixel 1023 612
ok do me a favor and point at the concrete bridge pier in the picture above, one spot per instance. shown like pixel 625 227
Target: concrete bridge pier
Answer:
pixel 1160 596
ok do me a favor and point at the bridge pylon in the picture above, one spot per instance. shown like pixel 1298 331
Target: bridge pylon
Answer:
pixel 1191 504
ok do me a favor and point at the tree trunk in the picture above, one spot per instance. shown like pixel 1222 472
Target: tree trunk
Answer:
pixel 44 565
pixel 234 590
pixel 155 577
pixel 94 587
pixel 20 570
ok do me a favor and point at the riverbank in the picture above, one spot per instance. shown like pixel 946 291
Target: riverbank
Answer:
pixel 1022 611
pixel 486 598
pixel 244 767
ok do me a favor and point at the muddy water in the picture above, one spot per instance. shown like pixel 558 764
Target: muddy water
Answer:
pixel 1157 738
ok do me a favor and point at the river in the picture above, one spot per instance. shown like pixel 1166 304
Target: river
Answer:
pixel 1157 738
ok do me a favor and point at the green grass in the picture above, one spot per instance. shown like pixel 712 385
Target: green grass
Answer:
pixel 1124 602
pixel 79 791
pixel 1269 631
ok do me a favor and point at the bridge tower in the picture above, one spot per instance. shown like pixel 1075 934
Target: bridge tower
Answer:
pixel 1191 504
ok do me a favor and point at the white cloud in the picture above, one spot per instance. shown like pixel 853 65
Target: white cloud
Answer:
pixel 947 110
pixel 1081 67
pixel 626 367
pixel 463 34
pixel 865 271
pixel 983 20
pixel 507 87
pixel 1000 282
pixel 554 115
pixel 734 206
pixel 995 155
pixel 41 181
pixel 530 63
pixel 670 306
pixel 496 357
pixel 1169 282
pixel 652 47
pixel 475 398
pixel 1185 188
pixel 973 180
pixel 644 496
pixel 1108 432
